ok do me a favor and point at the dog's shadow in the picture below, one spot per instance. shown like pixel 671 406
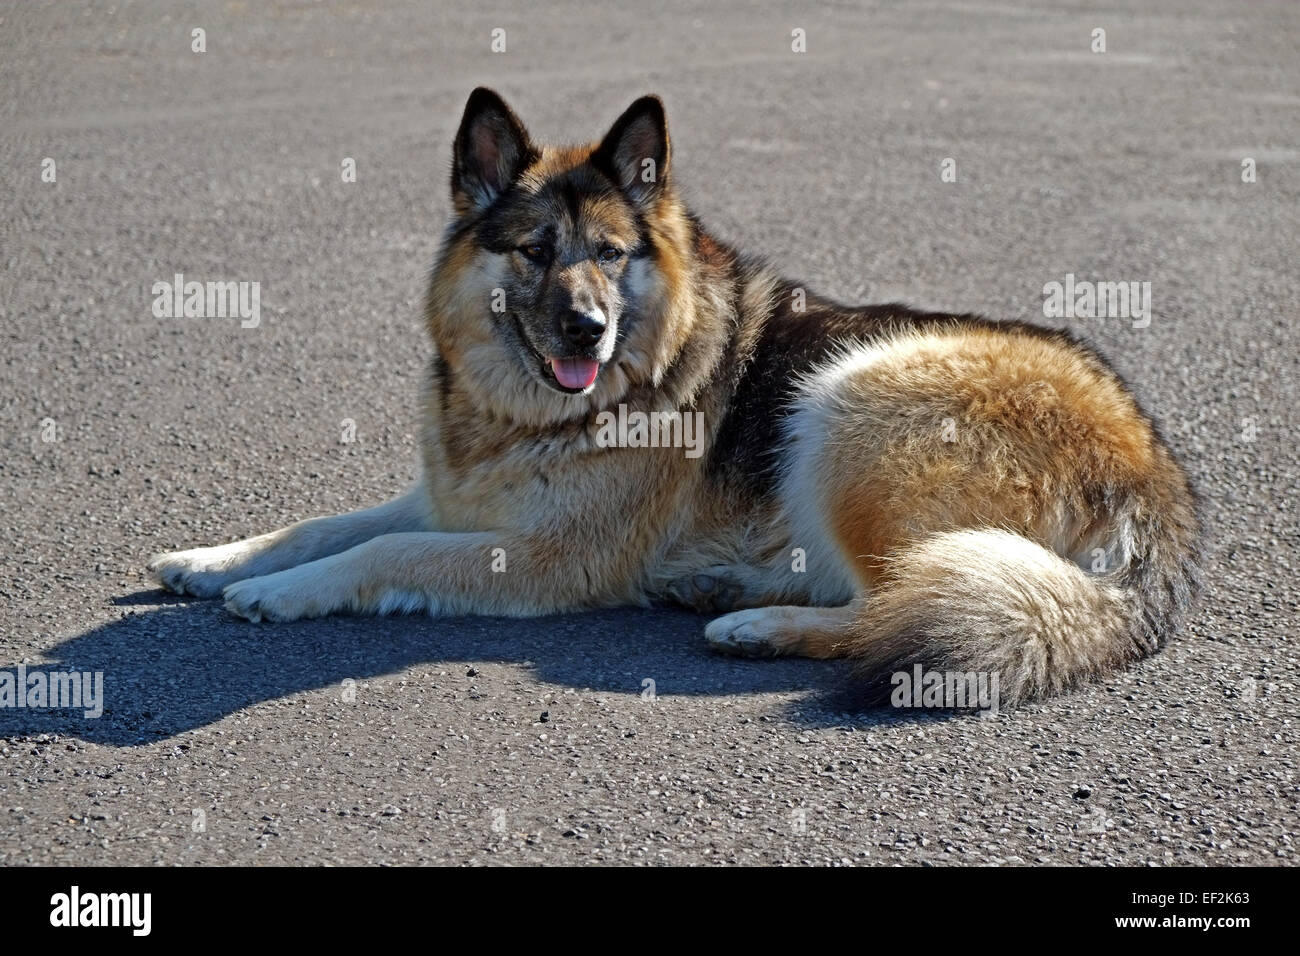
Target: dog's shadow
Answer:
pixel 183 663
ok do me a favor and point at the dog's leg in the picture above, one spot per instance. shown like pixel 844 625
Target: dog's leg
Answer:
pixel 478 572
pixel 772 631
pixel 204 572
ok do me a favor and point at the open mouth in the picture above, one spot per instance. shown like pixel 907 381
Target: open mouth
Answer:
pixel 571 374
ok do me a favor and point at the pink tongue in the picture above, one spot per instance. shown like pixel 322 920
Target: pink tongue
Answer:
pixel 575 372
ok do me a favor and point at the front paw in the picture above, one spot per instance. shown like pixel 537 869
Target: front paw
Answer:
pixel 202 572
pixel 291 595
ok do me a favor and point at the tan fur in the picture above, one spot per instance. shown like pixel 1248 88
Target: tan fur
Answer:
pixel 1031 424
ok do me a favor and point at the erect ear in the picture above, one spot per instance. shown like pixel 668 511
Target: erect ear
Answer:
pixel 492 148
pixel 635 151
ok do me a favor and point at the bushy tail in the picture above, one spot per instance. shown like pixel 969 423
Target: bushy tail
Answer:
pixel 989 601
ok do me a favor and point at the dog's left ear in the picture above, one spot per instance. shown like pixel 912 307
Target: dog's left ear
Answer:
pixel 635 152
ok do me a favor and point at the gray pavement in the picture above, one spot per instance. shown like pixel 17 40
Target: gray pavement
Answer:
pixel 489 741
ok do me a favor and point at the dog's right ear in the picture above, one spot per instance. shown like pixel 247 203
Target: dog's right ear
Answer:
pixel 492 148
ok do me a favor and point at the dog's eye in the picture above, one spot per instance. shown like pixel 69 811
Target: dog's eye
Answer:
pixel 535 252
pixel 610 254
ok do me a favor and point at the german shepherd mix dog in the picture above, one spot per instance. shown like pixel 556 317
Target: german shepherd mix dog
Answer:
pixel 877 483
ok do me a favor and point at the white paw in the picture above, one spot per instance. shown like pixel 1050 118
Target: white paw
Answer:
pixel 202 572
pixel 755 632
pixel 308 590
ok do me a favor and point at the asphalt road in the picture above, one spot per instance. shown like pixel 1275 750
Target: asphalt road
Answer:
pixel 490 741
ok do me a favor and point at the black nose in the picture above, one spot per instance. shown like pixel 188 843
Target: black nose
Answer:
pixel 582 330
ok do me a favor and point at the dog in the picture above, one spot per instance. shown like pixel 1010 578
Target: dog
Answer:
pixel 876 483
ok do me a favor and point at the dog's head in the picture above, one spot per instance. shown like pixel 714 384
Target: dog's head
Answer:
pixel 560 262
